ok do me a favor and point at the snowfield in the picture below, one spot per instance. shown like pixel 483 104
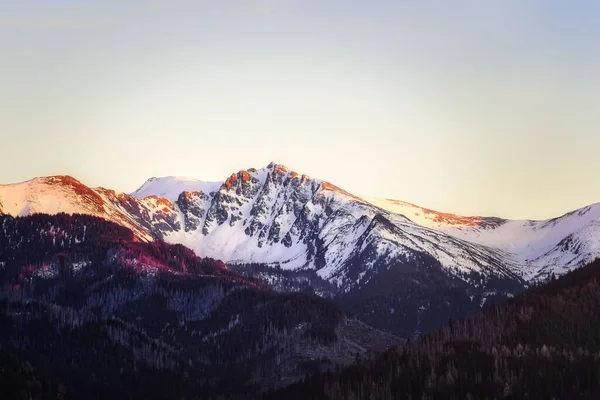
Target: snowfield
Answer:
pixel 539 247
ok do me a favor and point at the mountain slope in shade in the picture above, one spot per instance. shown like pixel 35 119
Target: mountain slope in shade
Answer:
pixel 540 345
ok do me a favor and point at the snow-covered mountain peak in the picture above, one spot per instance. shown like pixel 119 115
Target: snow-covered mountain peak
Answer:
pixel 59 180
pixel 276 166
pixel 171 187
pixel 281 170
pixel 50 195
pixel 65 194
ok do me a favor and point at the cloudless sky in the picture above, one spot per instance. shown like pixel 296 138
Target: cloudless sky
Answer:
pixel 473 107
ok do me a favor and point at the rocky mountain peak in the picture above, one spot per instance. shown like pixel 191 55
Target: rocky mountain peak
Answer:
pixel 278 168
pixel 238 179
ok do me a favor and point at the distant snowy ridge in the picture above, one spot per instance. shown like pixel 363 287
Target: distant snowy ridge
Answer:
pixel 170 187
pixel 543 246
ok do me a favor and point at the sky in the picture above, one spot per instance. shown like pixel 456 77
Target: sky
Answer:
pixel 473 107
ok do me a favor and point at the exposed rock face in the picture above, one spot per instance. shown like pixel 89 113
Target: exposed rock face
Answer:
pixel 276 216
pixel 236 193
pixel 192 205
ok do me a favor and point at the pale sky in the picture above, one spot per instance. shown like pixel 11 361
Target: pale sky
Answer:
pixel 473 107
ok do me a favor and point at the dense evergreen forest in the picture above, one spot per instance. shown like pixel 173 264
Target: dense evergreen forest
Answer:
pixel 544 344
pixel 86 311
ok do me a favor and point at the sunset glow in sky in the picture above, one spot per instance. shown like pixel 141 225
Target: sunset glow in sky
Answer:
pixel 472 107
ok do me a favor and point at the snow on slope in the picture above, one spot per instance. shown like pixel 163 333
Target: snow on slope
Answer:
pixel 233 215
pixel 56 194
pixel 575 250
pixel 47 195
pixel 530 239
pixel 276 216
pixel 170 187
pixel 424 216
pixel 534 244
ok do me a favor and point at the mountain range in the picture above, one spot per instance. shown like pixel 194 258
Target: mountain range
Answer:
pixel 273 284
pixel 395 265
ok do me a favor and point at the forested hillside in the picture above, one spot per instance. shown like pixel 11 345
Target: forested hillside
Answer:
pixel 88 312
pixel 541 345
